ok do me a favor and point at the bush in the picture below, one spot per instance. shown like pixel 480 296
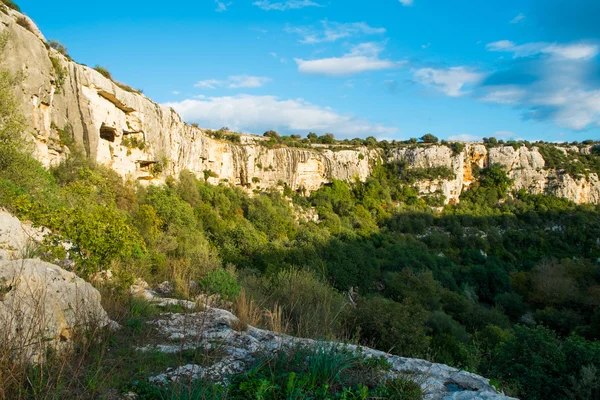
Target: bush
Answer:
pixel 311 308
pixel 104 72
pixel 398 328
pixel 429 138
pixel 56 45
pixel 222 282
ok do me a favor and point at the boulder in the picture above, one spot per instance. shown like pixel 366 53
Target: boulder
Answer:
pixel 43 305
pixel 17 239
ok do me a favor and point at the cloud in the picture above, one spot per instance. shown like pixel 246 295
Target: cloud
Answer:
pixel 267 5
pixel 574 51
pixel 406 2
pixel 234 82
pixel 564 90
pixel 176 92
pixel 260 113
pixel 281 59
pixel 221 6
pixel 505 94
pixel 426 46
pixel 518 19
pixel 450 81
pixel 363 57
pixel 465 137
pixel 333 31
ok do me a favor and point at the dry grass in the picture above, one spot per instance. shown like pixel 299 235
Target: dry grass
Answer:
pixel 24 22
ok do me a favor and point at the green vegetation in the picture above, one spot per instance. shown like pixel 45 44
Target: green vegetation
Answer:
pixel 60 72
pixel 11 4
pixel 133 142
pixel 106 73
pixel 503 284
pixel 326 372
pixel 56 45
pixel 429 138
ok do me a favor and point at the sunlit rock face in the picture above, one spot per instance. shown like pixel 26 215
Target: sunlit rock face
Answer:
pixel 145 141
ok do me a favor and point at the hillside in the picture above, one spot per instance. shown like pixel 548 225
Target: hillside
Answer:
pixel 66 103
pixel 432 262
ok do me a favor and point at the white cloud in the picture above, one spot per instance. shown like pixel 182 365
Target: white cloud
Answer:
pixel 267 5
pixel 176 92
pixel 260 113
pixel 450 81
pixel 406 2
pixel 222 6
pixel 574 51
pixel 333 31
pixel 425 46
pixel 281 59
pixel 465 137
pixel 505 94
pixel 234 82
pixel 519 18
pixel 363 57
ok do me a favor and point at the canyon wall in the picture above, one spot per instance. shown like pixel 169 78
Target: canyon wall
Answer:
pixel 69 103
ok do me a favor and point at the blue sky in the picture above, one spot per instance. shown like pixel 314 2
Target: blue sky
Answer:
pixel 394 69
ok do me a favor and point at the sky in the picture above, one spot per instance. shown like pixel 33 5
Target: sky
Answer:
pixel 393 69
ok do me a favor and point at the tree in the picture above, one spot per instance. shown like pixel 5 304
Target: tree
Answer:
pixel 429 138
pixel 327 138
pixel 312 137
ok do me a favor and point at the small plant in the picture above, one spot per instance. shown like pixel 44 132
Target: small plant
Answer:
pixel 60 73
pixel 24 22
pixel 255 180
pixel 134 143
pixel 103 71
pixel 210 174
pixel 56 45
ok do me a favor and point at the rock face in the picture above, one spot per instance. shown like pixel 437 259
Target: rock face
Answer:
pixel 64 101
pixel 42 305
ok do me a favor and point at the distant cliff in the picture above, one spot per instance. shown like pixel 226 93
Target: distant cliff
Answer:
pixel 66 103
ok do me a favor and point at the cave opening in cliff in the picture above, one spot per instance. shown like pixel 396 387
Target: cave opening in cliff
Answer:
pixel 108 133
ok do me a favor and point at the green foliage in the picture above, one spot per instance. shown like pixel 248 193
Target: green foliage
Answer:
pixel 103 71
pixel 133 142
pixel 60 72
pixel 396 327
pixel 428 138
pixel 222 282
pixel 11 4
pixel 56 45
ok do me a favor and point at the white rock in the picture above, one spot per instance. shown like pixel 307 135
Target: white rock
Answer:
pixel 41 305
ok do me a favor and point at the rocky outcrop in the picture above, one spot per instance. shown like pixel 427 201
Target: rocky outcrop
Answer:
pixel 17 239
pixel 213 327
pixel 42 305
pixel 121 128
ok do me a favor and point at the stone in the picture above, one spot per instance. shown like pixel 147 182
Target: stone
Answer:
pixel 17 239
pixel 42 305
pixel 164 288
pixel 213 329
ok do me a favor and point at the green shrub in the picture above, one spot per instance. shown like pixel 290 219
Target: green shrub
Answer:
pixel 103 71
pixel 222 282
pixel 60 72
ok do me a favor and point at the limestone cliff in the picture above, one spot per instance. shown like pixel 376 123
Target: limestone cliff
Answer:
pixel 123 129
